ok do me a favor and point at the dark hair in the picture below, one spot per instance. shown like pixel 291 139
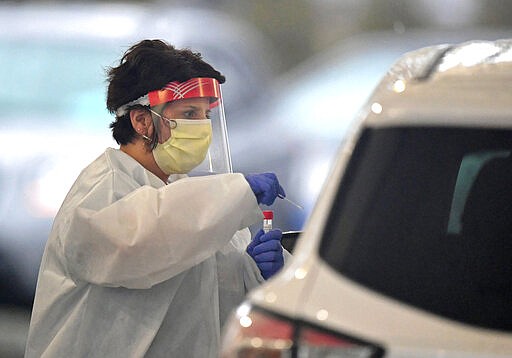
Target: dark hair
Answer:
pixel 145 67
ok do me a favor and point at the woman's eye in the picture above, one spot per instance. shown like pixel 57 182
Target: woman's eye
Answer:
pixel 190 114
pixel 193 114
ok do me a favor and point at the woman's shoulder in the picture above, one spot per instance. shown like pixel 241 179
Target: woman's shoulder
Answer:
pixel 104 180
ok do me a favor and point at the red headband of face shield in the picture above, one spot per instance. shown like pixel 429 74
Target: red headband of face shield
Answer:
pixel 193 88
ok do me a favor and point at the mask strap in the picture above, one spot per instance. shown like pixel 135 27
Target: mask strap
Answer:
pixel 172 123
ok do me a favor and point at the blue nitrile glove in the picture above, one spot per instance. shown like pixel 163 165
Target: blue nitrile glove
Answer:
pixel 267 252
pixel 266 187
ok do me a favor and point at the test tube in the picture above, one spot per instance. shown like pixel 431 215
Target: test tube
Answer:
pixel 268 216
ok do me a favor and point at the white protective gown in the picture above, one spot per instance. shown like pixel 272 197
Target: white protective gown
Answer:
pixel 134 267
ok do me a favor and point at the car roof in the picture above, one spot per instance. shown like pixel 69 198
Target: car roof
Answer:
pixel 465 84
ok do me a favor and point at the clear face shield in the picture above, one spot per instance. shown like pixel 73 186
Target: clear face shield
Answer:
pixel 218 158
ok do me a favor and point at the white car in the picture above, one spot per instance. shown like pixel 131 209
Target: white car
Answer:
pixel 408 250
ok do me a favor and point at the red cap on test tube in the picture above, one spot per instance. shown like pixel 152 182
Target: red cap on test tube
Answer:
pixel 268 214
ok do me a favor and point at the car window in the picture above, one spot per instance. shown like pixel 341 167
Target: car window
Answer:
pixel 423 215
pixel 60 81
pixel 470 166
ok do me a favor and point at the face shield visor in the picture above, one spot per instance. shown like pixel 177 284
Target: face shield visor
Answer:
pixel 218 157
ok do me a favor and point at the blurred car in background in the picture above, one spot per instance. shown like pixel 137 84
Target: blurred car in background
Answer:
pixel 407 252
pixel 53 120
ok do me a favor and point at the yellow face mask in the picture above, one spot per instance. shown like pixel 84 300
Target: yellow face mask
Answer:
pixel 186 148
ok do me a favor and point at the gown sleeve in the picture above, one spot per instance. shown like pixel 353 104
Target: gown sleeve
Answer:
pixel 151 235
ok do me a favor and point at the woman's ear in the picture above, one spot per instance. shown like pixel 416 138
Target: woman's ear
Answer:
pixel 141 120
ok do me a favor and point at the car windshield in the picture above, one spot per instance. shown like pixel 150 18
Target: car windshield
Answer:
pixel 424 215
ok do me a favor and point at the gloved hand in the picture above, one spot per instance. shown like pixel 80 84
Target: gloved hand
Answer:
pixel 266 187
pixel 267 252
